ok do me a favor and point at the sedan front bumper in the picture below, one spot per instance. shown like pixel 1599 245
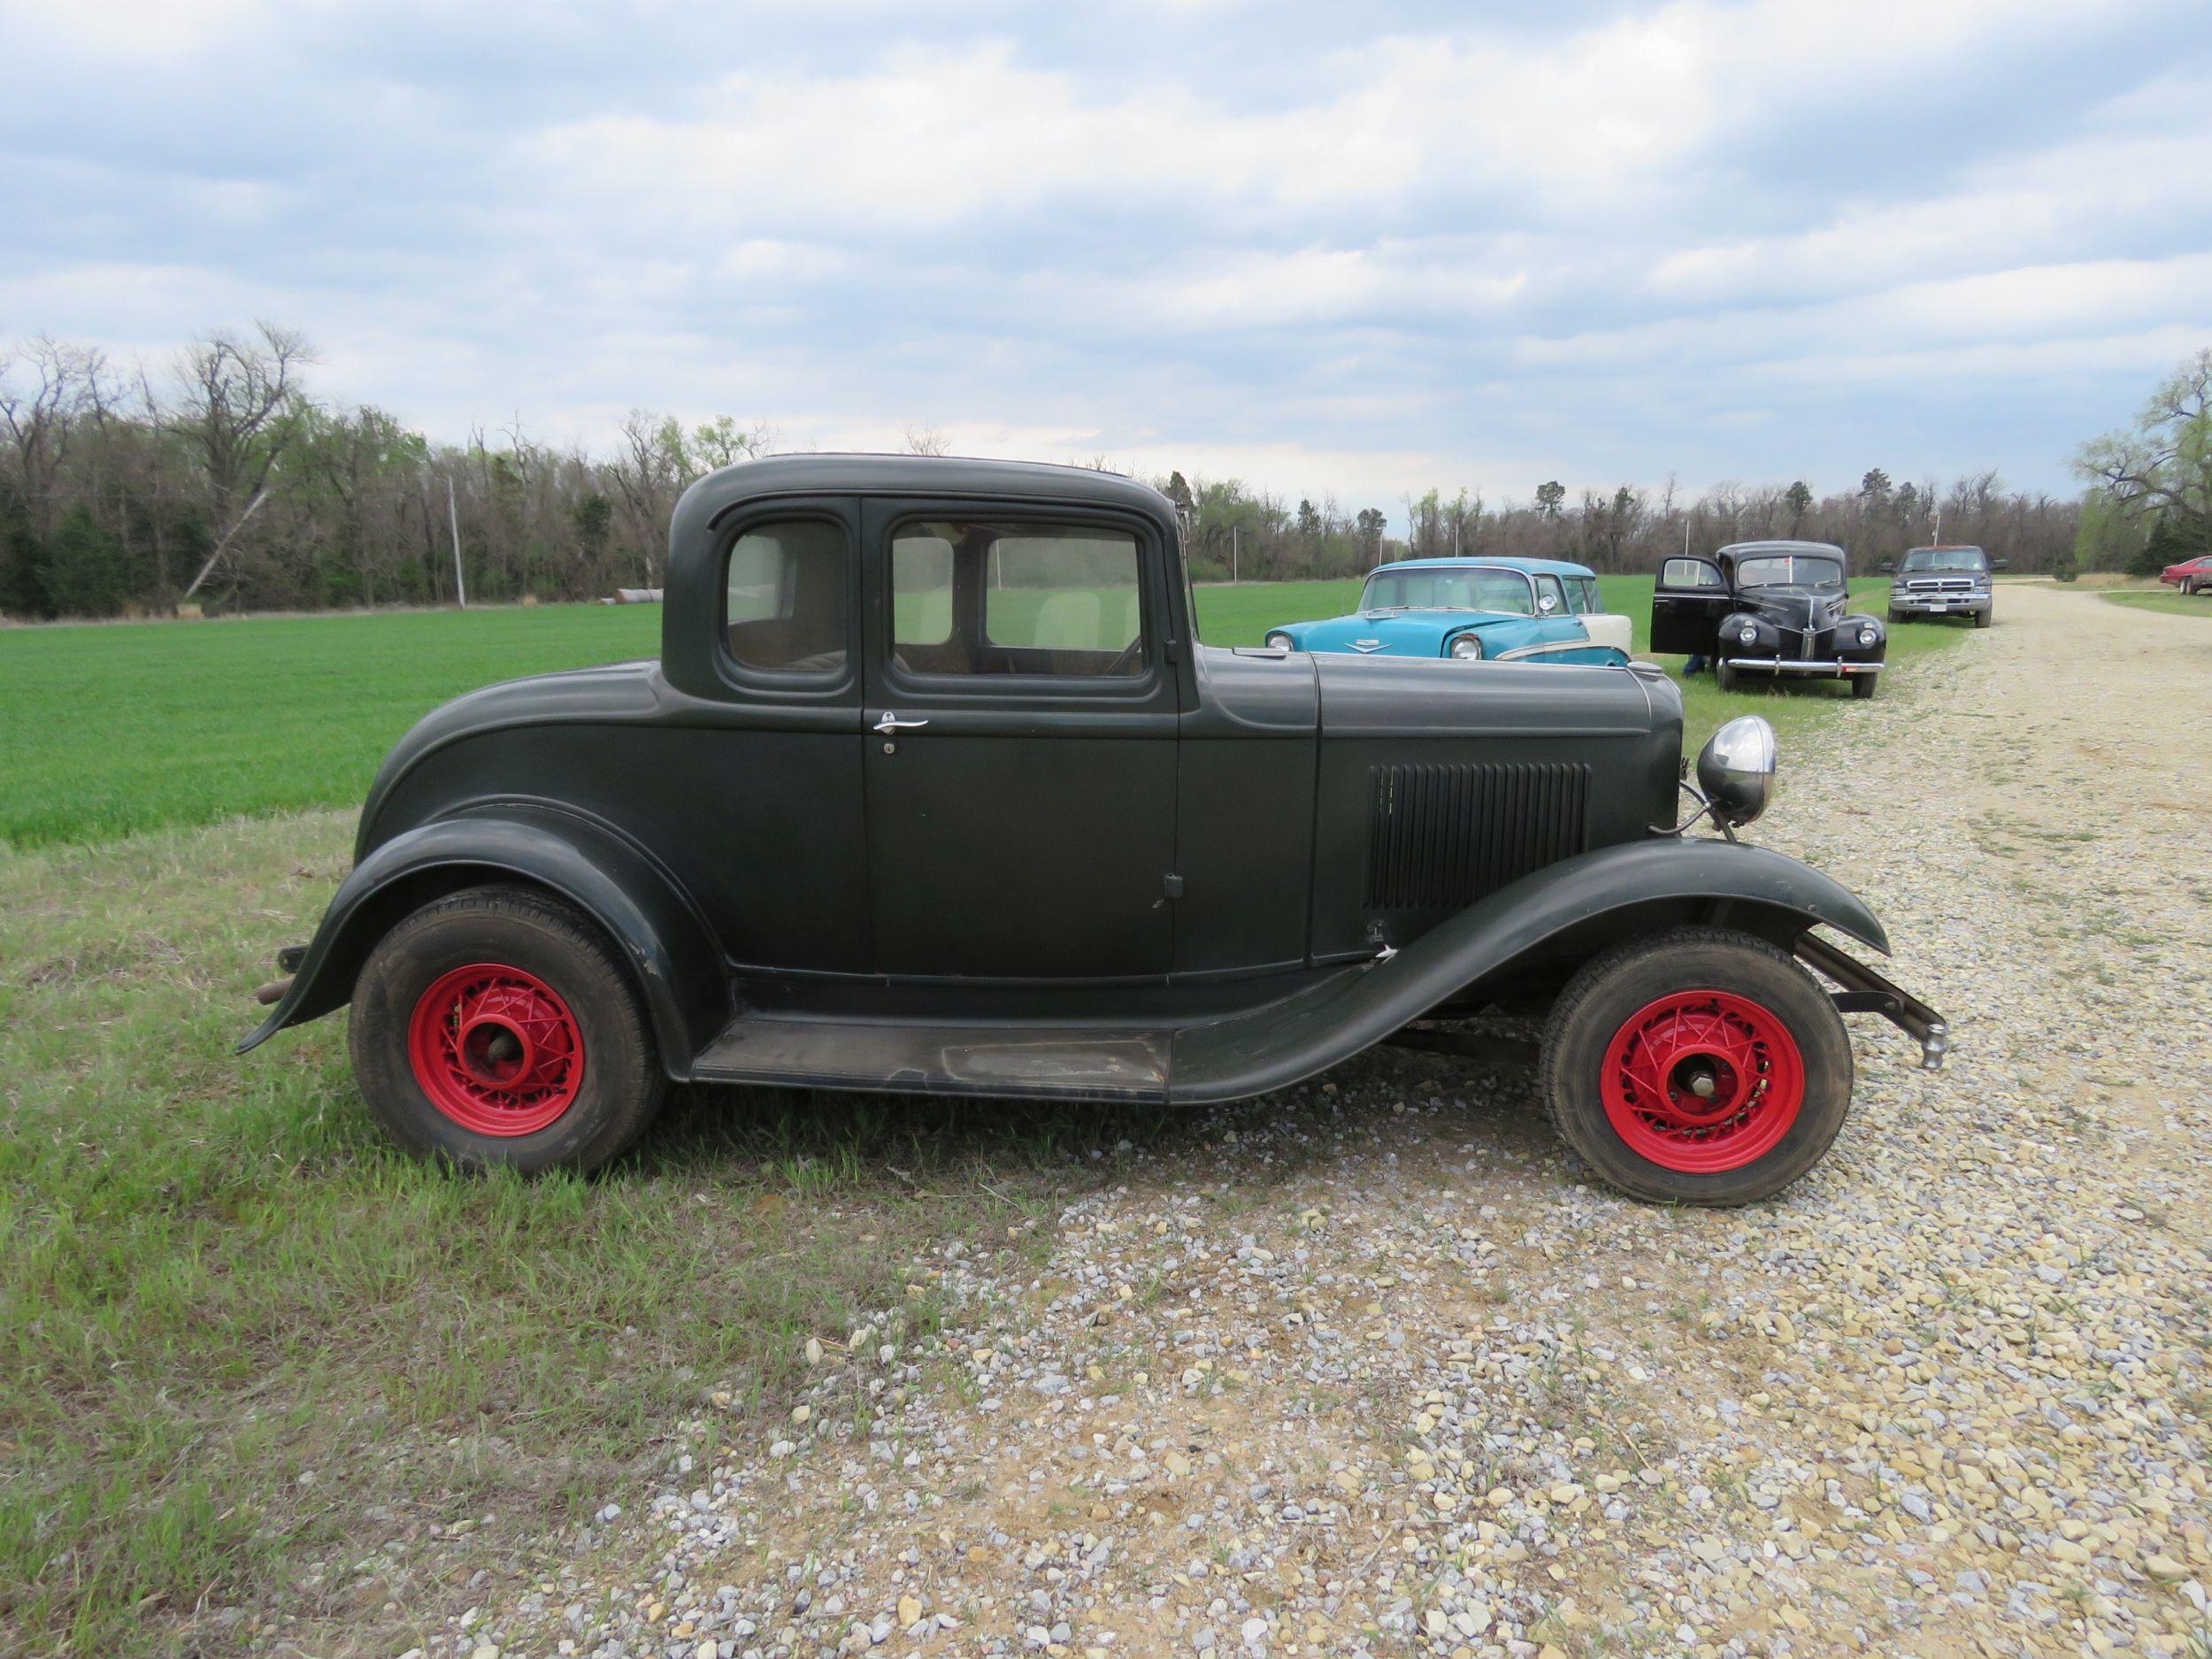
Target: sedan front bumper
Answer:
pixel 1800 665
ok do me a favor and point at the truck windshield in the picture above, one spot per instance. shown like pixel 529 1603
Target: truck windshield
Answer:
pixel 1459 588
pixel 1789 570
pixel 1946 559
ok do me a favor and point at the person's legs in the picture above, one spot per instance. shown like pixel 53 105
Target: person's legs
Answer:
pixel 1696 664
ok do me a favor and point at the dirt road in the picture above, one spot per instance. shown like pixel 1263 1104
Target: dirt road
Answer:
pixel 1379 1371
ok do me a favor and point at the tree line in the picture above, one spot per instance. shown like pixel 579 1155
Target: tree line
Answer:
pixel 219 479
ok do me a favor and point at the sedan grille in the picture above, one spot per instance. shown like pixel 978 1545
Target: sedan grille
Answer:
pixel 1442 836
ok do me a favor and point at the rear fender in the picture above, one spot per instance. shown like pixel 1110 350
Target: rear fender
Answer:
pixel 1586 902
pixel 667 947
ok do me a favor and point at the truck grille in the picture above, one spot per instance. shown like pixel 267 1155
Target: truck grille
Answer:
pixel 1939 584
pixel 1442 836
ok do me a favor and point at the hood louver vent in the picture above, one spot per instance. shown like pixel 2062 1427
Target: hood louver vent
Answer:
pixel 1442 836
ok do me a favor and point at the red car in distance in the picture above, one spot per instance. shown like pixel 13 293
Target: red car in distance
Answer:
pixel 2192 576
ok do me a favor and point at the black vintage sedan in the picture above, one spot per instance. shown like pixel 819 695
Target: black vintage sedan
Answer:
pixel 933 789
pixel 1776 607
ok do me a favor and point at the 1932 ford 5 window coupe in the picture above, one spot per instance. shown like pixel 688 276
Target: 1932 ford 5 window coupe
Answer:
pixel 1501 611
pixel 933 789
pixel 1780 607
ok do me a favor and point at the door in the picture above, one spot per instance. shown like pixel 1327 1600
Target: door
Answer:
pixel 757 796
pixel 1560 634
pixel 1020 766
pixel 1687 606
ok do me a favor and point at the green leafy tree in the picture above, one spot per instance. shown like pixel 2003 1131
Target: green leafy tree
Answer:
pixel 1800 499
pixel 1550 497
pixel 2163 464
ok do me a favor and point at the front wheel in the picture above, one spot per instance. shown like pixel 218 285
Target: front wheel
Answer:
pixel 495 1027
pixel 1863 686
pixel 1699 1065
pixel 1725 676
pixel 1982 618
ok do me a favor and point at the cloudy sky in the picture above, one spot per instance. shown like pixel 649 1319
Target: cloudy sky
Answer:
pixel 1324 247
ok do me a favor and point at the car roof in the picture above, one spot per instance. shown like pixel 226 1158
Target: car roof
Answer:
pixel 1947 547
pixel 1779 545
pixel 840 474
pixel 1533 567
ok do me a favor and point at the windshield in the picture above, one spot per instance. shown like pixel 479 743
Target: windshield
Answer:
pixel 1465 587
pixel 1946 559
pixel 1789 570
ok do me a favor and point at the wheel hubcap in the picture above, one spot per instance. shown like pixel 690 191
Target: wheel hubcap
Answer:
pixel 1703 1082
pixel 495 1049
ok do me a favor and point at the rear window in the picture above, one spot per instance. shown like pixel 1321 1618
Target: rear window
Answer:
pixel 784 597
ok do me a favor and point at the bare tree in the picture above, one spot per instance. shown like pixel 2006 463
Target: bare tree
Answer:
pixel 927 441
pixel 63 387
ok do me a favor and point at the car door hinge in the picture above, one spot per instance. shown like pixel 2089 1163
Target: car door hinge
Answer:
pixel 1171 885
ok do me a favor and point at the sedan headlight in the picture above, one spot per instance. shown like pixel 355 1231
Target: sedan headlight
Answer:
pixel 1466 648
pixel 1748 634
pixel 1869 633
pixel 1278 641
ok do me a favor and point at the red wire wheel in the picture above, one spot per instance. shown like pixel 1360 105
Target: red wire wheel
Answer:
pixel 495 1049
pixel 1703 1082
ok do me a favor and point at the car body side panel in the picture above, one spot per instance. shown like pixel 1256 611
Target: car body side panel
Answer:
pixel 1281 1043
pixel 1244 813
pixel 1438 782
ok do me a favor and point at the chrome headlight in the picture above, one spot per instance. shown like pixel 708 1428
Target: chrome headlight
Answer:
pixel 1467 647
pixel 1736 769
pixel 1279 641
pixel 1869 633
pixel 1746 634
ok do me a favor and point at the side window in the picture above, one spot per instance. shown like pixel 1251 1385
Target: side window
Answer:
pixel 1550 601
pixel 786 587
pixel 1688 573
pixel 1578 595
pixel 970 597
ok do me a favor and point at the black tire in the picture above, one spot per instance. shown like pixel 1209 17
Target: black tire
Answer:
pixel 1896 617
pixel 1725 676
pixel 1863 686
pixel 1612 988
pixel 621 1084
pixel 1982 618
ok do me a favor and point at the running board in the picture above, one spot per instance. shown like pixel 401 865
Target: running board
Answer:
pixel 1079 1063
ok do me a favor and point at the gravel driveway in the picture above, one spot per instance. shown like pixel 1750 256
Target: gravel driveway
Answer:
pixel 1376 1370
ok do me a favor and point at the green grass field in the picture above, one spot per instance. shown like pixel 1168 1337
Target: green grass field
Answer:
pixel 246 1346
pixel 2166 599
pixel 114 730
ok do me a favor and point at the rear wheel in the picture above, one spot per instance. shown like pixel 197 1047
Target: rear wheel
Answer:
pixel 1699 1065
pixel 1863 686
pixel 496 1028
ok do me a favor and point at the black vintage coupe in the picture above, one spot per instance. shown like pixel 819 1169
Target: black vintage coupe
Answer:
pixel 933 789
pixel 1768 607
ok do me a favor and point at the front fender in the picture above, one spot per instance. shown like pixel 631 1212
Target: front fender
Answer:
pixel 667 946
pixel 1635 887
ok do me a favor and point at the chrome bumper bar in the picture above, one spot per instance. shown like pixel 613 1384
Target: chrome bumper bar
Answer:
pixel 1798 665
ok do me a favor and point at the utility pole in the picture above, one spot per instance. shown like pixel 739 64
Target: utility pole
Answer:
pixel 453 517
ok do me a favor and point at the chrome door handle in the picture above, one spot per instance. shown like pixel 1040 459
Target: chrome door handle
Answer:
pixel 891 723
